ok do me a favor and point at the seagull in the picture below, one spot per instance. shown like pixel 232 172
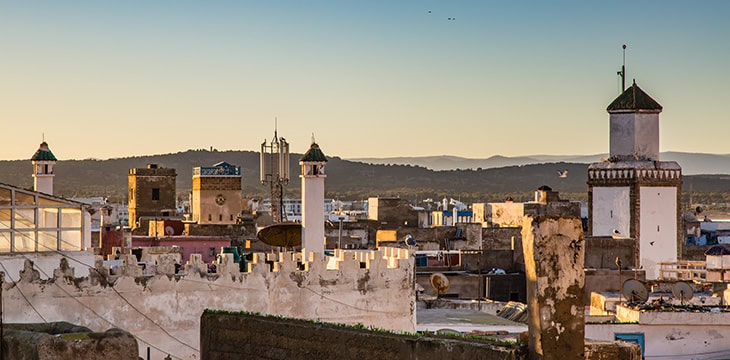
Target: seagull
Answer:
pixel 410 241
pixel 651 243
pixel 616 234
pixel 563 173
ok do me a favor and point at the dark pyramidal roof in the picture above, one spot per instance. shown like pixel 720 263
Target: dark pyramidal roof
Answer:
pixel 314 154
pixel 634 98
pixel 43 154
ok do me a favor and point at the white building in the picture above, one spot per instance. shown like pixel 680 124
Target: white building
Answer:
pixel 313 163
pixel 632 194
pixel 43 162
pixel 34 225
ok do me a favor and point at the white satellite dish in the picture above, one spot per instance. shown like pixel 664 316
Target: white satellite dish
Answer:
pixel 683 292
pixel 169 231
pixel 635 291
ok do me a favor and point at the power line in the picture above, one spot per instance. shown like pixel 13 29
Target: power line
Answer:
pixel 102 317
pixel 126 301
pixel 25 297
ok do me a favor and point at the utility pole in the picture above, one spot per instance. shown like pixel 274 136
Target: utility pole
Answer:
pixel 2 342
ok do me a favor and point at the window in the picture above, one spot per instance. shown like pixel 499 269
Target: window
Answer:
pixel 155 193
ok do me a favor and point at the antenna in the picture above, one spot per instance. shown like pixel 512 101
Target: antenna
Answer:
pixel 275 172
pixel 622 72
pixel 313 142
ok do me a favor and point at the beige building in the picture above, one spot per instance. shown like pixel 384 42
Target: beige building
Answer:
pixel 151 194
pixel 216 195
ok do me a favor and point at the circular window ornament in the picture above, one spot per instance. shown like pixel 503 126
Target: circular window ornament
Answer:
pixel 220 199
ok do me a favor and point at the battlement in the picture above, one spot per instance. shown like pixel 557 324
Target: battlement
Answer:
pixel 373 288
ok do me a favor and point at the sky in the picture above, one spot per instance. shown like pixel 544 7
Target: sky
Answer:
pixel 376 78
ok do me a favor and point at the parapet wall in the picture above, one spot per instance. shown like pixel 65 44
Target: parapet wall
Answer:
pixel 163 310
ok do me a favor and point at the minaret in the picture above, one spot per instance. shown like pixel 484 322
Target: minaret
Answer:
pixel 313 175
pixel 632 194
pixel 43 162
pixel 634 118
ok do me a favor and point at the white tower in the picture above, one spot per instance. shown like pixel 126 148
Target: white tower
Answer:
pixel 43 162
pixel 313 175
pixel 632 194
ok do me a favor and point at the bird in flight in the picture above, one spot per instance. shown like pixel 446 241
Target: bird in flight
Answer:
pixel 562 173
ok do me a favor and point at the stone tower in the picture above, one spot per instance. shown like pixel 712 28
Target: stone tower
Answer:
pixel 216 194
pixel 43 162
pixel 313 175
pixel 632 194
pixel 151 194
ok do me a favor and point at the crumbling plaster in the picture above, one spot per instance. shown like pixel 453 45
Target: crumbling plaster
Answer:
pixel 163 311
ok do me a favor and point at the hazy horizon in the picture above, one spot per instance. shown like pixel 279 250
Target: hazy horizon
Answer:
pixel 368 79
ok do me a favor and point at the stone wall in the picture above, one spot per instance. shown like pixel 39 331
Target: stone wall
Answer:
pixel 66 341
pixel 163 310
pixel 240 336
pixel 601 252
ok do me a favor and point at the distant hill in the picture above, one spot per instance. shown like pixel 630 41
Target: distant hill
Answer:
pixel 692 163
pixel 353 180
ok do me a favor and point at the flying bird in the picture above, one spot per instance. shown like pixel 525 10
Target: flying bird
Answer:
pixel 651 243
pixel 562 173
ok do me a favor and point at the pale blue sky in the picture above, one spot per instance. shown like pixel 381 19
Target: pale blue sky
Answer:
pixel 107 79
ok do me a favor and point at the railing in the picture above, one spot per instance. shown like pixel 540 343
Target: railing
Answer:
pixel 683 270
pixel 217 171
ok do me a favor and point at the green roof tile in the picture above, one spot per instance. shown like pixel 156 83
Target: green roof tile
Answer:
pixel 43 154
pixel 314 154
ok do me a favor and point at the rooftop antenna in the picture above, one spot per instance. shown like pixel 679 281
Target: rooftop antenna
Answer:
pixel 622 72
pixel 275 172
pixel 313 142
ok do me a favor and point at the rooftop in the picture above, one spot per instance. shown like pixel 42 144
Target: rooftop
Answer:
pixel 634 99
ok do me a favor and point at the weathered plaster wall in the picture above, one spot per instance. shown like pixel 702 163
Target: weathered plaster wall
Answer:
pixel 658 227
pixel 611 210
pixel 163 311
pixel 690 337
pixel 635 134
pixel 554 253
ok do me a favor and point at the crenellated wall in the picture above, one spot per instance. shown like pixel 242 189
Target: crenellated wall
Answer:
pixel 163 310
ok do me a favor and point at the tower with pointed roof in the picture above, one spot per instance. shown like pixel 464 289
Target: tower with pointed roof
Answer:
pixel 43 162
pixel 313 163
pixel 633 194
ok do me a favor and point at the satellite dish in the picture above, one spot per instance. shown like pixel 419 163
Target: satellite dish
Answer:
pixel 440 283
pixel 169 231
pixel 683 292
pixel 634 291
pixel 286 234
